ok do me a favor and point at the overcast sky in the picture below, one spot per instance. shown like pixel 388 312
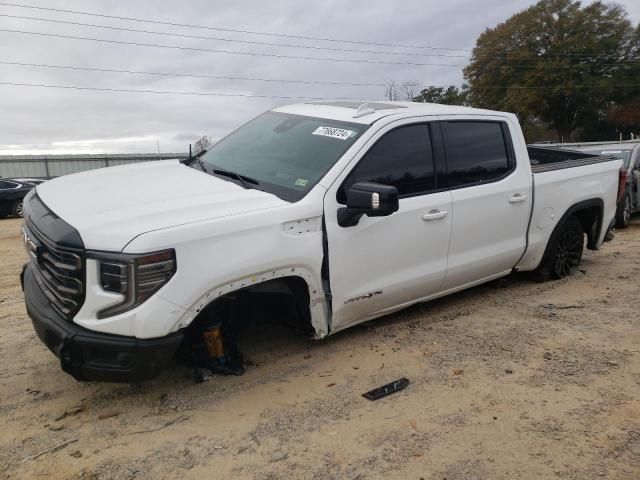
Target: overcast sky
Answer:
pixel 44 120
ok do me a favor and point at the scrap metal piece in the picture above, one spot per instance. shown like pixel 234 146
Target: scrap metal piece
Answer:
pixel 387 389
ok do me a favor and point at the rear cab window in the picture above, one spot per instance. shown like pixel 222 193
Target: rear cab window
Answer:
pixel 476 152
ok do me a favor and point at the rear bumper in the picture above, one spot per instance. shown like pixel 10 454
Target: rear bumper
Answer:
pixel 88 355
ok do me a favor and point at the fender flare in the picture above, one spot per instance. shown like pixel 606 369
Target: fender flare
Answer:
pixel 591 236
pixel 317 303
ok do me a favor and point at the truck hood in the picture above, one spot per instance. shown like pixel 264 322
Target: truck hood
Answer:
pixel 111 206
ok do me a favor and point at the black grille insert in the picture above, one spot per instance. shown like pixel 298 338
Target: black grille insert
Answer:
pixel 58 271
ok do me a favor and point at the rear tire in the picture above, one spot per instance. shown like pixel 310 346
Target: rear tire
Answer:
pixel 565 254
pixel 18 209
pixel 623 213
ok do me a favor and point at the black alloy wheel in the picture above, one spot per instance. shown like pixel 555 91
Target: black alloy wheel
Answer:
pixel 568 252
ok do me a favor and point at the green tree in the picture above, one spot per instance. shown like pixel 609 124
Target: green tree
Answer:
pixel 557 62
pixel 625 115
pixel 626 118
pixel 447 96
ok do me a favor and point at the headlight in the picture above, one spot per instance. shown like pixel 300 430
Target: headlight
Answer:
pixel 136 277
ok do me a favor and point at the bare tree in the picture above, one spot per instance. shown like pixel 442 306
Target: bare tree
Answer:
pixel 391 90
pixel 400 91
pixel 409 90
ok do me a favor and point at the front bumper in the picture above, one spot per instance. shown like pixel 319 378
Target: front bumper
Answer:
pixel 88 355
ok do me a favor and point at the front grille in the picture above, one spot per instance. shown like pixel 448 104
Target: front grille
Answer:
pixel 58 271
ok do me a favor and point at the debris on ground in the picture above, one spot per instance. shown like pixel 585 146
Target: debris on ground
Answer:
pixel 387 389
pixel 48 450
pixel 76 409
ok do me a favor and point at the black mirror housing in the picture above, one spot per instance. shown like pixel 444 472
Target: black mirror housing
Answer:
pixel 371 199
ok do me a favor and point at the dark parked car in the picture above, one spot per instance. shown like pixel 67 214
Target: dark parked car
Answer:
pixel 629 152
pixel 630 155
pixel 12 191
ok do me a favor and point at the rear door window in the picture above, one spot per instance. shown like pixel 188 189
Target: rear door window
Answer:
pixel 476 152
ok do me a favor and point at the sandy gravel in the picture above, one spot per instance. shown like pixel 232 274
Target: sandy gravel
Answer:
pixel 512 380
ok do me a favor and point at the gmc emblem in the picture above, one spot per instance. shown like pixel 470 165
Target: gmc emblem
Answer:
pixel 30 247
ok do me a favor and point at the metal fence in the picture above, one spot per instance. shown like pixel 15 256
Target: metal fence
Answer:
pixel 611 144
pixel 50 166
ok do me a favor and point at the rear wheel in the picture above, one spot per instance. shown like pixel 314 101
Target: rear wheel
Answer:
pixel 18 209
pixel 623 213
pixel 565 254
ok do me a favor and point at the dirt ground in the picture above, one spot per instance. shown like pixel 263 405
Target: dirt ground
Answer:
pixel 512 380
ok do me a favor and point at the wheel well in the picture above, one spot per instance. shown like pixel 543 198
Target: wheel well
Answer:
pixel 589 213
pixel 284 300
pixel 591 220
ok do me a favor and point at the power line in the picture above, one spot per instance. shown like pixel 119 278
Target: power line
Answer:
pixel 196 75
pixel 276 55
pixel 282 80
pixel 288 45
pixel 230 52
pixel 169 92
pixel 233 40
pixel 247 95
pixel 268 34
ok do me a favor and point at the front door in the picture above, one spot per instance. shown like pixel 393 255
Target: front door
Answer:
pixel 386 262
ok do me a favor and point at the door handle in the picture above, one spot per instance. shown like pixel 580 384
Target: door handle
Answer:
pixel 517 198
pixel 434 215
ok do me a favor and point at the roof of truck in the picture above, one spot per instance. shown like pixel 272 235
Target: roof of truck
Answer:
pixel 368 112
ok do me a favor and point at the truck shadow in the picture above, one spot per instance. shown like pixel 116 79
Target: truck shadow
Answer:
pixel 274 354
pixel 270 343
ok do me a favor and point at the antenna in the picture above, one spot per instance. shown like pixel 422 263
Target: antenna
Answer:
pixel 364 109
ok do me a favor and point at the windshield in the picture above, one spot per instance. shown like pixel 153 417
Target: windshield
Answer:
pixel 285 154
pixel 625 155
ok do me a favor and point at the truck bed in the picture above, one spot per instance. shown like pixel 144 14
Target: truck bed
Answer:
pixel 592 180
pixel 546 159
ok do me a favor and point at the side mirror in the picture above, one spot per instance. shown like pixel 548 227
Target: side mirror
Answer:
pixel 371 199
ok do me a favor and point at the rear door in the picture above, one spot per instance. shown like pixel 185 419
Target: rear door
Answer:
pixel 385 262
pixel 491 200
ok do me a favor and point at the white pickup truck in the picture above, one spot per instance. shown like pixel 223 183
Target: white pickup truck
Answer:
pixel 320 215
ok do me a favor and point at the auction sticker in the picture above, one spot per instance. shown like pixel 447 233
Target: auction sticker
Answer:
pixel 339 133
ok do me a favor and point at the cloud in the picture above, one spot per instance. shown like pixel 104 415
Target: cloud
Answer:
pixel 67 120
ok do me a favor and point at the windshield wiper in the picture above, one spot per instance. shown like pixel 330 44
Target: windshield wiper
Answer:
pixel 245 181
pixel 201 164
pixel 197 160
